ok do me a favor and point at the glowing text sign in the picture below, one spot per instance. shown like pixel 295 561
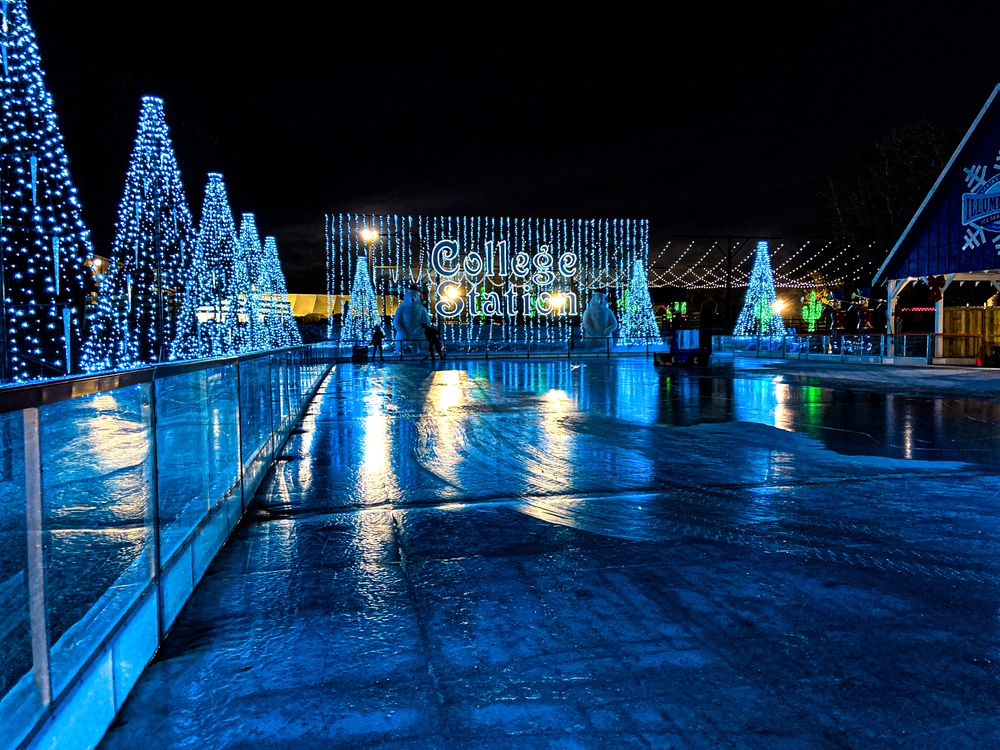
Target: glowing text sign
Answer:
pixel 540 268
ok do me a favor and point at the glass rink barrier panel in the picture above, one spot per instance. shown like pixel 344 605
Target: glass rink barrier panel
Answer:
pixel 520 343
pixel 858 347
pixel 116 491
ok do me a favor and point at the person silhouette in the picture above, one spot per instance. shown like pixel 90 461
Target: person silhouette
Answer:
pixel 433 341
pixel 377 337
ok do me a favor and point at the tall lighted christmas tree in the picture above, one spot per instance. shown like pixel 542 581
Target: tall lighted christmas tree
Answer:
pixel 43 241
pixel 282 330
pixel 209 324
pixel 362 309
pixel 758 315
pixel 638 322
pixel 252 278
pixel 140 297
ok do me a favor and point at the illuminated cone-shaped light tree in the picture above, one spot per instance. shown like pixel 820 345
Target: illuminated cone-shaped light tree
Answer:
pixel 140 298
pixel 638 322
pixel 282 330
pixel 252 277
pixel 44 244
pixel 758 315
pixel 209 324
pixel 362 309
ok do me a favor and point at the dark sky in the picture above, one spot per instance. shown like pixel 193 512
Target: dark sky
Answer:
pixel 701 120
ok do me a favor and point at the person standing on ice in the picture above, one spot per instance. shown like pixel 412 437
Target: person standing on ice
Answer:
pixel 377 337
pixel 433 341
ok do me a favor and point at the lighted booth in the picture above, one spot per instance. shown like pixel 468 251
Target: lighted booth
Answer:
pixel 954 238
pixel 501 282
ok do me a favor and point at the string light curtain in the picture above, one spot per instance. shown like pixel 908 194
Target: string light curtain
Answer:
pixel 509 279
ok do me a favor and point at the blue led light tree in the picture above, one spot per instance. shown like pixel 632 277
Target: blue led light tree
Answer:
pixel 209 324
pixel 43 241
pixel 252 280
pixel 758 315
pixel 282 330
pixel 362 309
pixel 139 300
pixel 638 322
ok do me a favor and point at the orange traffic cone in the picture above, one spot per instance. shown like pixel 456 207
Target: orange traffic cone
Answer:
pixel 979 362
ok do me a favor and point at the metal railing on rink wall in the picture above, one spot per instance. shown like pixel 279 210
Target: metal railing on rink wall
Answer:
pixel 862 347
pixel 576 347
pixel 116 491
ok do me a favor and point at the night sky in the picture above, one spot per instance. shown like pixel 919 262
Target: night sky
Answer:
pixel 702 121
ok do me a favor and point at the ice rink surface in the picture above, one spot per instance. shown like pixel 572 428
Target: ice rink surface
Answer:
pixel 555 554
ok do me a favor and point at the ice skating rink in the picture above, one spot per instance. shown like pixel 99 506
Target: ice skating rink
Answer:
pixel 546 554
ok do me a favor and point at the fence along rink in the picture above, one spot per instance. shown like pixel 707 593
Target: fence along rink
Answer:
pixel 114 502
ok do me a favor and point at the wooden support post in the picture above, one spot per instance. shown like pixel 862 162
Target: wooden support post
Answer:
pixel 895 287
pixel 939 318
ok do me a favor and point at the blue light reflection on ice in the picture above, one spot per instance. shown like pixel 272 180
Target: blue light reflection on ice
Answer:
pixel 460 432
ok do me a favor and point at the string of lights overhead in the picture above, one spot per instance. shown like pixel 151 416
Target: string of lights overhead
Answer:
pixel 810 265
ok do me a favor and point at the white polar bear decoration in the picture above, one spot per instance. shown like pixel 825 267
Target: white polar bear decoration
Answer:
pixel 598 319
pixel 408 319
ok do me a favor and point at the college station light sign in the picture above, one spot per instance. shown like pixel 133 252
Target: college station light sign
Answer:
pixel 522 272
pixel 482 275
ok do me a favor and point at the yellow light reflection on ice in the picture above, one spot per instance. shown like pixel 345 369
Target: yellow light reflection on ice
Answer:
pixel 446 390
pixel 443 439
pixel 305 465
pixel 374 443
pixel 784 418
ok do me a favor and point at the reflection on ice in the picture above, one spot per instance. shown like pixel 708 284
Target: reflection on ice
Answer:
pixel 764 401
pixel 511 428
pixel 446 389
pixel 508 430
pixel 451 525
pixel 375 443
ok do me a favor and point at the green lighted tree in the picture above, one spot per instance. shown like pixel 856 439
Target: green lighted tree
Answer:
pixel 758 315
